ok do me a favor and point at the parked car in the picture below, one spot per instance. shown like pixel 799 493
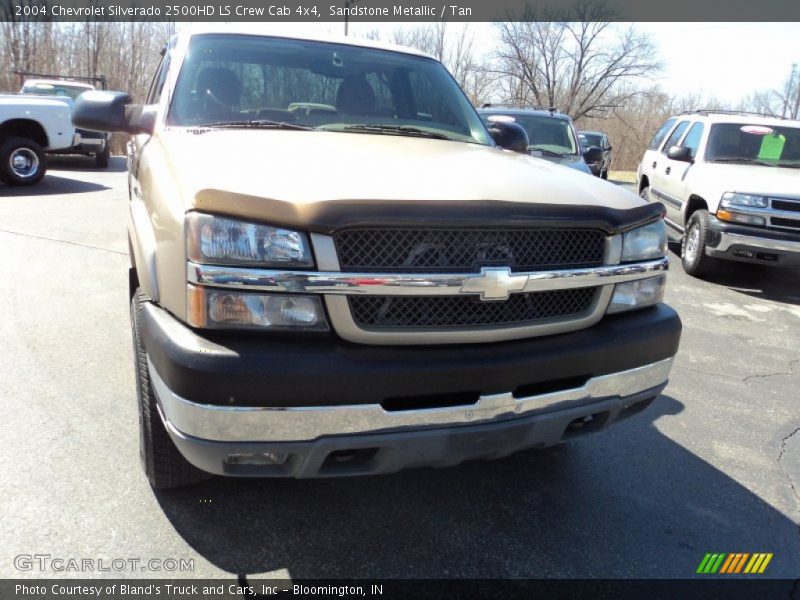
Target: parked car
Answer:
pixel 597 139
pixel 551 134
pixel 86 143
pixel 319 293
pixel 731 185
pixel 28 127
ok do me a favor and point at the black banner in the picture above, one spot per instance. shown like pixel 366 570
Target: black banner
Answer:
pixel 395 10
pixel 242 588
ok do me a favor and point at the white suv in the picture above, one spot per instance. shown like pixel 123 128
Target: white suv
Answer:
pixel 731 184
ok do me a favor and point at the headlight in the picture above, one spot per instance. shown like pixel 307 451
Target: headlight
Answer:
pixel 220 240
pixel 732 200
pixel 637 294
pixel 645 243
pixel 225 309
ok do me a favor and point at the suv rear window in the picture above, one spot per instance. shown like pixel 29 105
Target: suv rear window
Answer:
pixel 661 134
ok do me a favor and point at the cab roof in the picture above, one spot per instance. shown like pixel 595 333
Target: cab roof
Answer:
pixel 269 30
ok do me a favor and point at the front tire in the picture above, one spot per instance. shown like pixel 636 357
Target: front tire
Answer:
pixel 163 464
pixel 693 246
pixel 101 158
pixel 22 161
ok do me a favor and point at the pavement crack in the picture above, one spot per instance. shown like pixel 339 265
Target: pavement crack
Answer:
pixel 789 372
pixel 41 237
pixel 780 459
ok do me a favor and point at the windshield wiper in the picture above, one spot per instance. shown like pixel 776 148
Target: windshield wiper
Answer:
pixel 550 152
pixel 743 160
pixel 397 130
pixel 255 124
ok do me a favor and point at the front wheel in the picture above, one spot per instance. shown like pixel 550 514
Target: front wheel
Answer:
pixel 163 464
pixel 693 246
pixel 22 161
pixel 101 158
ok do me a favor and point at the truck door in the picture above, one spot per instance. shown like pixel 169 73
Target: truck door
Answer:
pixel 662 175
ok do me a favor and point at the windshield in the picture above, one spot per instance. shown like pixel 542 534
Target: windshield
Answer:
pixel 754 144
pixel 590 139
pixel 549 134
pixel 46 89
pixel 262 81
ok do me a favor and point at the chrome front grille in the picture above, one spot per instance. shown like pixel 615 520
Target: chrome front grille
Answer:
pixel 453 250
pixel 784 213
pixel 410 312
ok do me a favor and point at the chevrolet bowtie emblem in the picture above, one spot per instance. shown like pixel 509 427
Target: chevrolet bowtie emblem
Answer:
pixel 494 283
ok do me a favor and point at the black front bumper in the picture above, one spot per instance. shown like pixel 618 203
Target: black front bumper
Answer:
pixel 222 373
pixel 756 245
pixel 295 372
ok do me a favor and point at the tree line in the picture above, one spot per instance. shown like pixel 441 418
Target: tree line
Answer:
pixel 577 60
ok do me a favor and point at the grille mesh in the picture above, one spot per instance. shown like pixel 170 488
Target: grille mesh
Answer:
pixel 786 205
pixel 466 250
pixel 398 312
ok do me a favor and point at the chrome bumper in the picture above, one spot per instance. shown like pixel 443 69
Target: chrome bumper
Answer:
pixel 735 239
pixel 274 424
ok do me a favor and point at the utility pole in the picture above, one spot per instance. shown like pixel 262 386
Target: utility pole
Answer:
pixel 788 91
pixel 347 5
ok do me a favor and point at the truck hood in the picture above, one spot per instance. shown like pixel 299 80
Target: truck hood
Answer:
pixel 323 181
pixel 307 167
pixel 751 179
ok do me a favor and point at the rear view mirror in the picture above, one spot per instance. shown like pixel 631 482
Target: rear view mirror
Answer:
pixel 111 112
pixel 593 154
pixel 681 153
pixel 510 136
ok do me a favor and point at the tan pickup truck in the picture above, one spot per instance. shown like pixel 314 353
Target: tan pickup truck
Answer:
pixel 337 270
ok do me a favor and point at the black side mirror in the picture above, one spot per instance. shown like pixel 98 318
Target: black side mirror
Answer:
pixel 681 153
pixel 510 136
pixel 593 154
pixel 111 111
pixel 609 148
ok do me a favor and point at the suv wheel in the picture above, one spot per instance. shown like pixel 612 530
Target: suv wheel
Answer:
pixel 22 161
pixel 163 464
pixel 693 247
pixel 101 158
pixel 645 193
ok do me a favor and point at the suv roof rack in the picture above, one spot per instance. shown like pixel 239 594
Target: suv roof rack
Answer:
pixel 551 109
pixel 100 79
pixel 743 113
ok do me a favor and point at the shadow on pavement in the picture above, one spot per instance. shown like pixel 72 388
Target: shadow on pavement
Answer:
pixel 628 502
pixel 116 164
pixel 757 281
pixel 52 185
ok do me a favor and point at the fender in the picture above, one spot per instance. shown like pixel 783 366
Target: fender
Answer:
pixel 143 245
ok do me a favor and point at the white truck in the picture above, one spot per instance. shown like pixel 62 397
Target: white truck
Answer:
pixel 729 181
pixel 29 127
pixel 85 143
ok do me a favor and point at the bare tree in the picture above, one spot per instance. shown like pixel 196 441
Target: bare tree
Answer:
pixel 454 48
pixel 575 60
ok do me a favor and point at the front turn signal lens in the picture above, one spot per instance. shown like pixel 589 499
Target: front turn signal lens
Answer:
pixel 225 309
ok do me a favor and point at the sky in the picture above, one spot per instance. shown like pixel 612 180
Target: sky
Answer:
pixel 723 60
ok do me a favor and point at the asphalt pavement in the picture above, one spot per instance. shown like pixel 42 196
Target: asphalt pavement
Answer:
pixel 712 466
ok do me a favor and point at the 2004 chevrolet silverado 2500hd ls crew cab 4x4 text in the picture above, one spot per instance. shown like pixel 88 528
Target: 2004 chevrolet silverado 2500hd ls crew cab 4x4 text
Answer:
pixel 337 271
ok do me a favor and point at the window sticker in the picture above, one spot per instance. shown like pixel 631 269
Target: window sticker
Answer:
pixel 757 129
pixel 772 146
